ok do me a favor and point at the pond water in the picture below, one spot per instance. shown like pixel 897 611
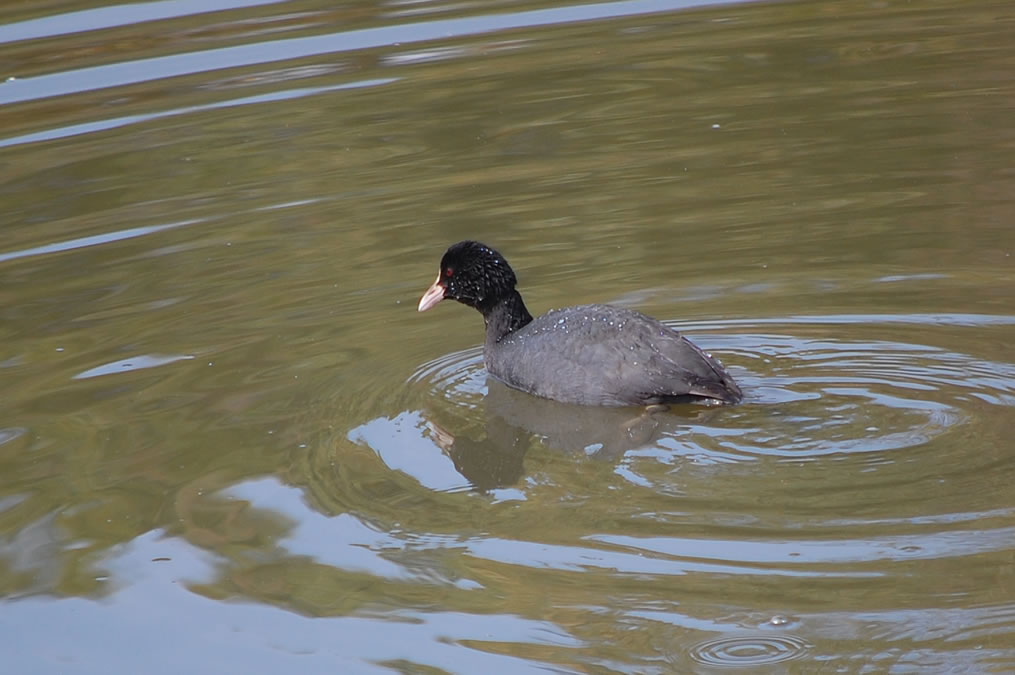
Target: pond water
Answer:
pixel 229 443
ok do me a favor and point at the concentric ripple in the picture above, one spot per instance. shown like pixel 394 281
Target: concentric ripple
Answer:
pixel 836 393
pixel 458 377
pixel 748 650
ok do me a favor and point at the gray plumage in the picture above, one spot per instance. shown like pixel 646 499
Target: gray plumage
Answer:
pixel 588 355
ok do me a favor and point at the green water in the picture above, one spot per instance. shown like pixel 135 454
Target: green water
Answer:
pixel 229 443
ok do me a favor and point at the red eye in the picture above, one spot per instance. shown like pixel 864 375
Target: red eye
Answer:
pixel 449 272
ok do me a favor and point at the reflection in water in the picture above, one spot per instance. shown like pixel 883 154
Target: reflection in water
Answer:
pixel 492 455
pixel 163 67
pixel 818 397
pixel 115 122
pixel 514 420
pixel 832 179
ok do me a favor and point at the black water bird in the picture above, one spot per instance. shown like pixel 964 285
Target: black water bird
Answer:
pixel 587 355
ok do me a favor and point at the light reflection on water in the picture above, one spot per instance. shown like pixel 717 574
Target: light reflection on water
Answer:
pixel 161 68
pixel 873 396
pixel 228 441
pixel 113 123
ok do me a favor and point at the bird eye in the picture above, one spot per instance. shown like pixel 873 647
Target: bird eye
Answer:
pixel 449 272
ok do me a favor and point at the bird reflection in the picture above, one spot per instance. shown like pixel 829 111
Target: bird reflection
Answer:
pixel 514 421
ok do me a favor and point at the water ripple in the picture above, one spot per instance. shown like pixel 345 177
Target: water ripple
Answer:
pixel 458 377
pixel 749 650
pixel 806 397
pixel 115 122
pixel 175 65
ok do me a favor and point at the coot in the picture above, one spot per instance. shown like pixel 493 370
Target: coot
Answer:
pixel 588 355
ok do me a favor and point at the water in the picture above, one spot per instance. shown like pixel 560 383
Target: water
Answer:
pixel 229 443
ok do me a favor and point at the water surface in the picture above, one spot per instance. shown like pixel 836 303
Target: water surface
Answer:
pixel 228 442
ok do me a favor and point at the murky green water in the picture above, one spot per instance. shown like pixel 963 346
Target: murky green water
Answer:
pixel 228 442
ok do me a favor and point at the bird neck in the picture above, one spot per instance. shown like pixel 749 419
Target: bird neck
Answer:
pixel 505 316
